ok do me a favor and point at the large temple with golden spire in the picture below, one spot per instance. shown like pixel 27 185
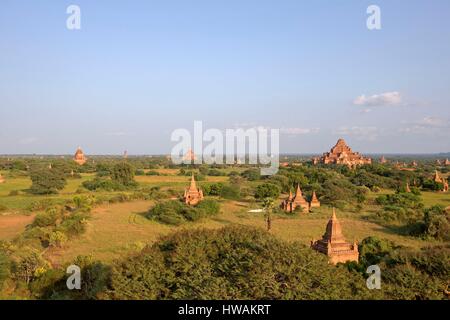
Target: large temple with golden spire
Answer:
pixel 342 154
pixel 293 202
pixel 192 194
pixel 334 245
pixel 79 157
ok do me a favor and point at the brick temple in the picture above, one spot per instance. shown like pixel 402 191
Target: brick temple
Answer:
pixel 334 245
pixel 294 202
pixel 192 194
pixel 79 157
pixel 342 154
pixel 383 160
pixel 2 180
pixel 437 178
pixel 314 203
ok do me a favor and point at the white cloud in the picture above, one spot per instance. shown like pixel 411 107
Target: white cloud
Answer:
pixel 377 100
pixel 360 133
pixel 427 125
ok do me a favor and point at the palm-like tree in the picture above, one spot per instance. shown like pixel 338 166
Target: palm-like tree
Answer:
pixel 268 205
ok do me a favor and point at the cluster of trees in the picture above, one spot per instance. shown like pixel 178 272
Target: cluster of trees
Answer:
pixel 234 263
pixel 176 213
pixel 116 178
pixel 406 274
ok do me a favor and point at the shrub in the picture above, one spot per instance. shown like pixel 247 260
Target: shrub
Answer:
pixel 47 218
pixel 175 212
pixel 74 224
pixel 47 181
pixel 57 239
pixel 123 174
pixel 267 190
pixel 231 263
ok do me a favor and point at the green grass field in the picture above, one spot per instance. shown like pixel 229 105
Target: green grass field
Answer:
pixel 116 230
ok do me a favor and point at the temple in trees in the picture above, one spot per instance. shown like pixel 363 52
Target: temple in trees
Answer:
pixel 79 157
pixel 314 203
pixel 342 154
pixel 437 178
pixel 334 245
pixel 383 160
pixel 2 180
pixel 192 194
pixel 294 202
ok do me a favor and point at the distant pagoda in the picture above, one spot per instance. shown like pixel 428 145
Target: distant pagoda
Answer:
pixel 447 162
pixel 437 178
pixel 342 154
pixel 383 160
pixel 2 180
pixel 192 194
pixel 334 245
pixel 293 202
pixel 189 156
pixel 407 188
pixel 314 203
pixel 79 157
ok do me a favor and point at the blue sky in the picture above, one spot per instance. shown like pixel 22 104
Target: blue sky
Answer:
pixel 137 70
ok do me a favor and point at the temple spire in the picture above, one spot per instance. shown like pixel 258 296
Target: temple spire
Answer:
pixel 193 185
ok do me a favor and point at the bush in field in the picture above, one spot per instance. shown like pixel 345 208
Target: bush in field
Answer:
pixel 47 218
pixel 251 174
pixel 209 207
pixel 231 263
pixel 404 200
pixel 139 172
pixel 5 265
pixel 47 181
pixel 267 190
pixel 51 285
pixel 123 174
pixel 213 189
pixel 175 212
pixel 103 184
pixel 230 192
pixel 74 224
pixel 57 239
pixel 437 223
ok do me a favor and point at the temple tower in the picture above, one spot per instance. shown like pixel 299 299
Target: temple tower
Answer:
pixel 79 157
pixel 293 202
pixel 192 194
pixel 334 245
pixel 315 203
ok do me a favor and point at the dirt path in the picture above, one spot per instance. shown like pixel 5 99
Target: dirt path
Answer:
pixel 13 225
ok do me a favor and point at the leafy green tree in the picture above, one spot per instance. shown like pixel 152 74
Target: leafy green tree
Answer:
pixel 437 223
pixel 123 173
pixel 232 263
pixel 267 190
pixel 47 181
